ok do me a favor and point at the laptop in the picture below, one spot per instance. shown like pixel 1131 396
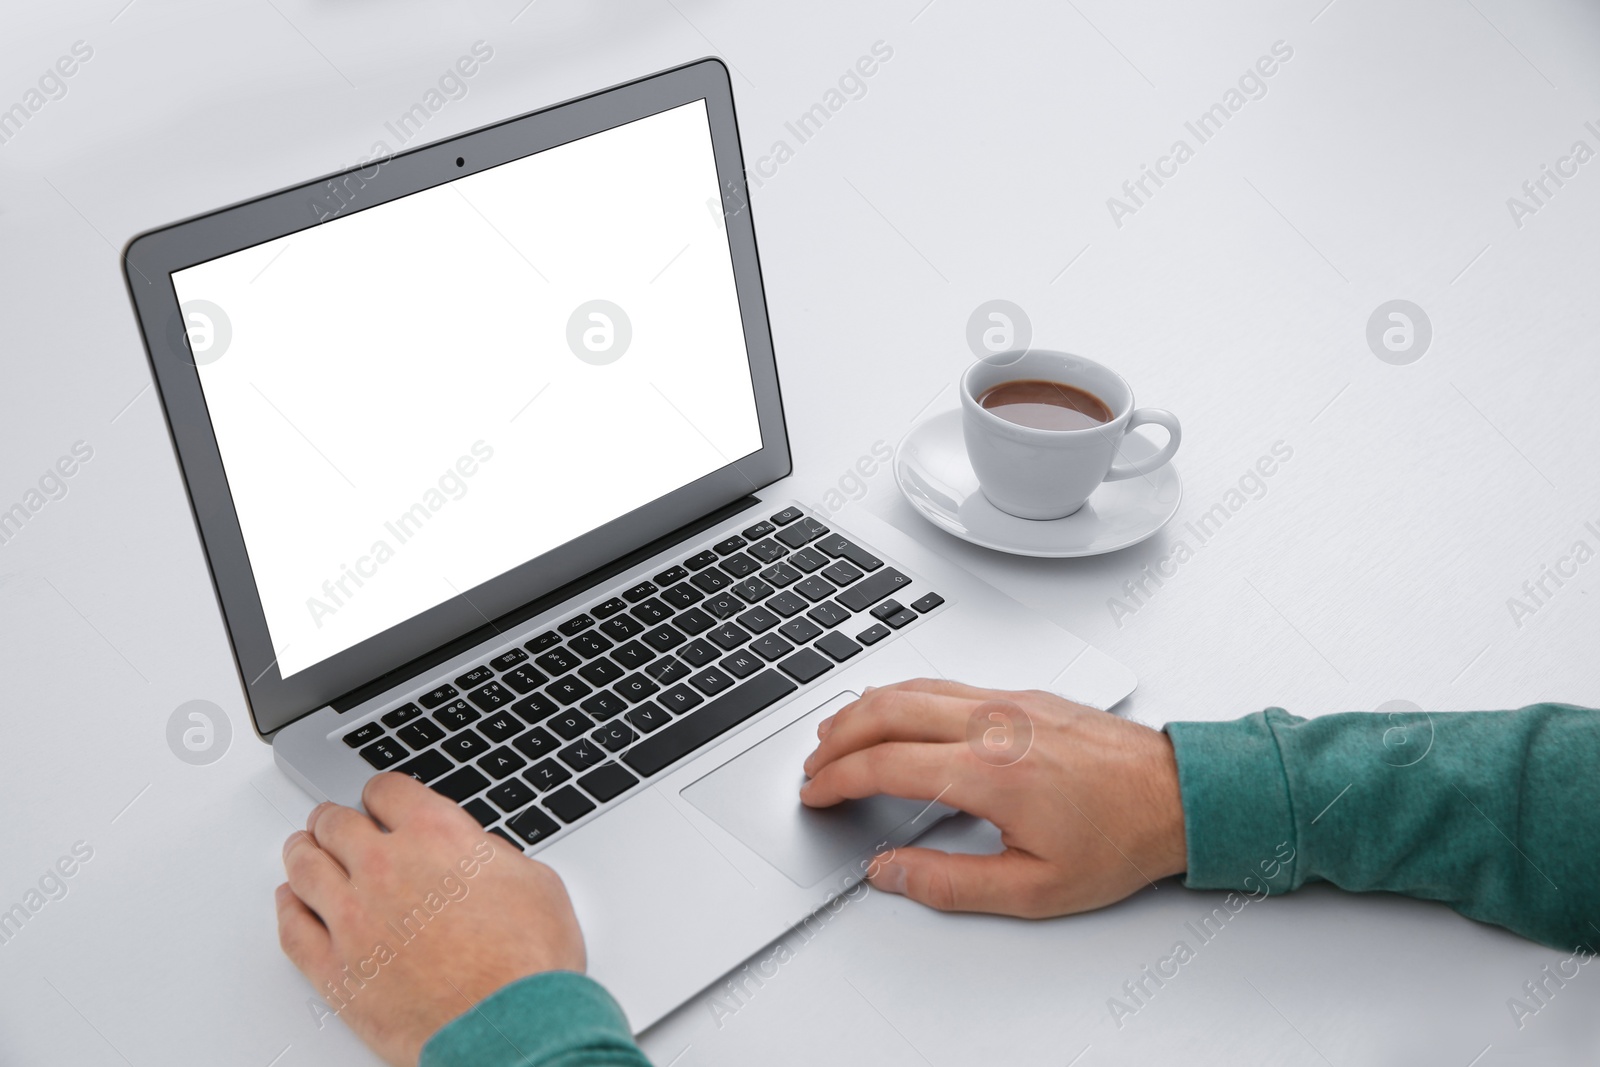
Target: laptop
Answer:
pixel 485 447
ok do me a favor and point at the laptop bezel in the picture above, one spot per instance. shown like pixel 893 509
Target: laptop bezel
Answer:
pixel 151 258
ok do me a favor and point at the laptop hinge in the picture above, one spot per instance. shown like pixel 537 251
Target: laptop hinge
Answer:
pixel 513 620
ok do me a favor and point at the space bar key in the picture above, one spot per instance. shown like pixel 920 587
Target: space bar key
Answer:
pixel 699 727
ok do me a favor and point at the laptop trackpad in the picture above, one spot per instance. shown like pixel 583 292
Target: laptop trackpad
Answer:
pixel 755 797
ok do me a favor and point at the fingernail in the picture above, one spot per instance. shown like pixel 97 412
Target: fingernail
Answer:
pixel 290 841
pixel 281 894
pixel 891 878
pixel 823 727
pixel 311 820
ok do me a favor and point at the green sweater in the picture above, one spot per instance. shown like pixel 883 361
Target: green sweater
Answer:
pixel 1496 814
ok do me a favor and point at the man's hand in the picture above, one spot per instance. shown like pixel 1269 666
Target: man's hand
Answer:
pixel 400 932
pixel 1089 814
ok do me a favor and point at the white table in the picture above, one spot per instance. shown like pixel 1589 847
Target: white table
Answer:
pixel 977 165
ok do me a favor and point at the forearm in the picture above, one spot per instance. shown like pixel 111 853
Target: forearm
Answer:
pixel 1496 814
pixel 556 1019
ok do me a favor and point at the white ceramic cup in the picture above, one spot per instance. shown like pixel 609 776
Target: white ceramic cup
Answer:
pixel 1049 474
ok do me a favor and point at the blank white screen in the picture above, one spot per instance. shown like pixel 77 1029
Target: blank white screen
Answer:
pixel 413 360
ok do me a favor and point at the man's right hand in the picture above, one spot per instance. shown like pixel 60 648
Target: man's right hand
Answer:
pixel 1089 813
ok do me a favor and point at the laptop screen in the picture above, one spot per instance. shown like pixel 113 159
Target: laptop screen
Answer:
pixel 413 399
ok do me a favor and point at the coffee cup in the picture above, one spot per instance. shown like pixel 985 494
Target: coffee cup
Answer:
pixel 1034 468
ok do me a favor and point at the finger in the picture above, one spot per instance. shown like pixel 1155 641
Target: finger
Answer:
pixel 396 799
pixel 915 770
pixel 891 715
pixel 1006 883
pixel 316 877
pixel 341 832
pixel 941 687
pixel 303 937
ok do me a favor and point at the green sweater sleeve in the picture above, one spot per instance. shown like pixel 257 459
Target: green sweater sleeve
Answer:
pixel 1496 814
pixel 555 1019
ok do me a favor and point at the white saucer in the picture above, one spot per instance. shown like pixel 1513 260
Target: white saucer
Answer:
pixel 932 470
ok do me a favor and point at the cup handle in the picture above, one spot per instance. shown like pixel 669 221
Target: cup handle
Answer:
pixel 1142 417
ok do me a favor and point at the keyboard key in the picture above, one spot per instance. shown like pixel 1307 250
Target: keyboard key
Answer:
pixel 437 697
pixel 401 715
pixel 465 746
pixel 816 588
pixel 480 811
pixel 571 723
pixel 622 627
pixel 768 550
pixel 828 614
pixel 420 734
pixel 668 670
pixel 781 574
pixel 665 747
pixel 532 826
pixel 699 652
pixel 648 717
pixel 589 645
pixel 679 699
pixel 841 572
pixel 475 677
pixel 928 603
pixel 384 753
pixel 557 661
pixel 600 672
pixel 724 605
pixel 535 707
pixel 568 690
pixel 511 795
pixel 614 736
pixel 576 624
pixel 873 634
pixel 807 529
pixel 838 646
pixel 902 618
pixel 671 576
pixel 805 665
pixel 799 630
pixel 568 804
pixel 609 608
pixel 729 636
pixel 455 716
pixel 546 775
pixel 752 590
pixel 711 681
pixel 536 744
pixel 740 565
pixel 838 546
pixel 742 664
pixel 771 647
pixel 700 560
pixel 460 785
pixel 501 726
pixel 506 660
pixel 501 762
pixel 787 515
pixel 681 596
pixel 887 608
pixel 426 767
pixel 633 655
pixel 582 754
pixel 651 611
pixel 362 734
pixel 491 696
pixel 525 679
pixel 787 604
pixel 604 704
pixel 543 641
pixel 507 838
pixel 759 530
pixel 758 620
pixel 695 621
pixel 869 591
pixel 608 782
pixel 808 560
pixel 636 687
pixel 639 592
pixel 730 546
pixel 663 638
pixel 711 580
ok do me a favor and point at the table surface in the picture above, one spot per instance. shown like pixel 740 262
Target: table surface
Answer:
pixel 1376 564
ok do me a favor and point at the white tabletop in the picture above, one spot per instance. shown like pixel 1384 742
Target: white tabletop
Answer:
pixel 975 164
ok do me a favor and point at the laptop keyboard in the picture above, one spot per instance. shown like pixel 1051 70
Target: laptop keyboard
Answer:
pixel 547 732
